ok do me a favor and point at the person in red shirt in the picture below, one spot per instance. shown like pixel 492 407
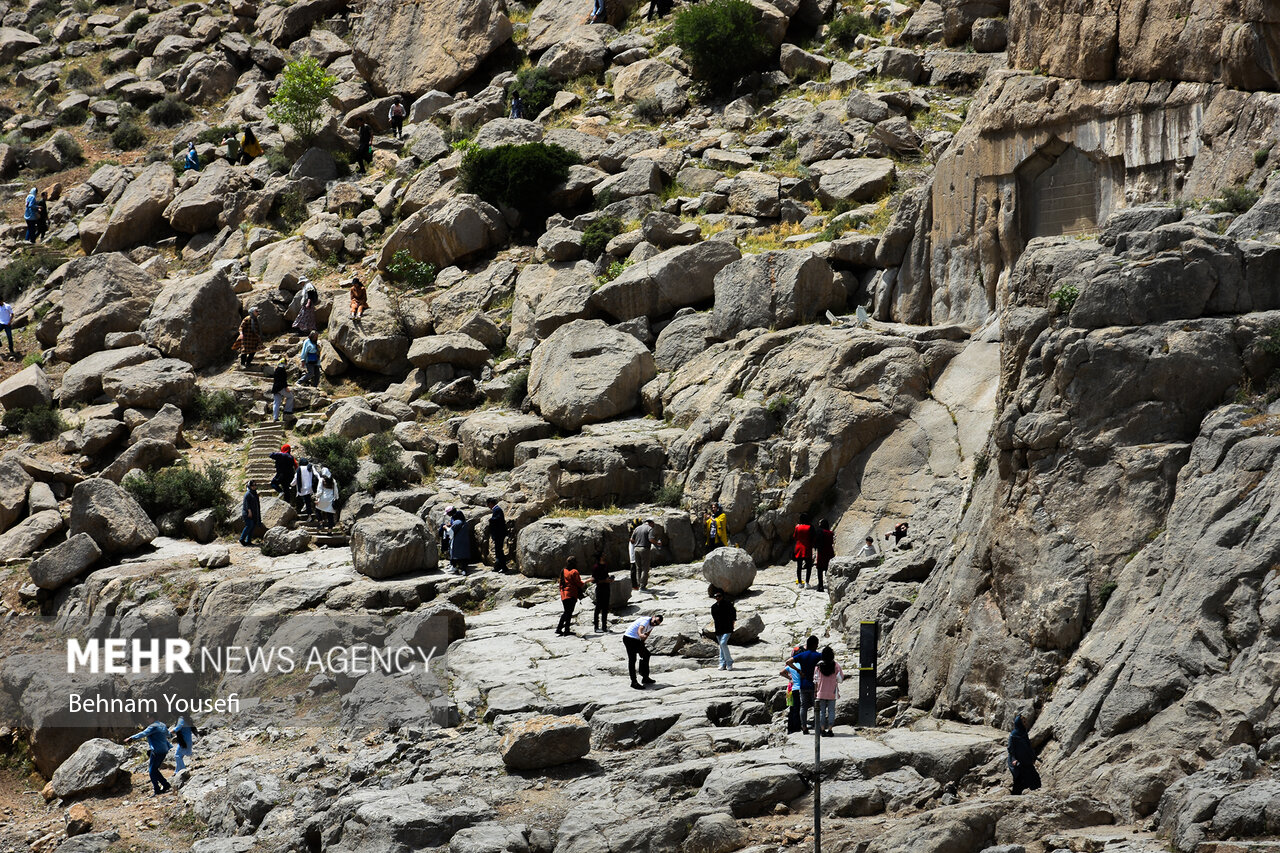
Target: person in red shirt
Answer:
pixel 803 550
pixel 571 587
pixel 825 548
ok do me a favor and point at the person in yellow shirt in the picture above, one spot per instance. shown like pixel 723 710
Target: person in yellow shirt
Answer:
pixel 717 527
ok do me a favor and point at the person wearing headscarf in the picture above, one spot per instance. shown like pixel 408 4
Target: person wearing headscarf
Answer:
pixel 250 147
pixel 42 216
pixel 306 319
pixel 359 298
pixel 250 339
pixel 327 499
pixel 191 163
pixel 30 216
pixel 1022 758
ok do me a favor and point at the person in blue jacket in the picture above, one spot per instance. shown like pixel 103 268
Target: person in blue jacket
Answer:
pixel 158 742
pixel 183 734
pixel 191 163
pixel 30 213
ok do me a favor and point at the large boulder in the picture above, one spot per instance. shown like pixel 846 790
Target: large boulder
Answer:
pixel 748 789
pixel 110 516
pixel 100 295
pixel 196 208
pixel 679 277
pixel 587 372
pixel 147 454
pixel 454 349
pixel 545 741
pixel 543 547
pixel 774 290
pixel 639 80
pixel 26 389
pixel 139 214
pixel 377 341
pixel 195 319
pixel 683 338
pixel 729 569
pixel 82 382
pixel 488 439
pixel 15 482
pixel 356 420
pixel 151 384
pixel 392 542
pixel 446 231
pixel 549 296
pixel 13 42
pixel 416 47
pixel 64 562
pixel 280 264
pixel 557 21
pixel 26 537
pixel 855 180
pixel 98 765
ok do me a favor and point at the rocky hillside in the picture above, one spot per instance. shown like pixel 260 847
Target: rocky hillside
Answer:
pixel 1006 270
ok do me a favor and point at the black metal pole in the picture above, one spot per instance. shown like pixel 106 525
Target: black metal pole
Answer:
pixel 817 780
pixel 868 653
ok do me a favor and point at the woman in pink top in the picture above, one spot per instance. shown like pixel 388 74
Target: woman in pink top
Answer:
pixel 826 680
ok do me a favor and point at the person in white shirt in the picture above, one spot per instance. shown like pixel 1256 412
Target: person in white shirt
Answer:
pixel 304 484
pixel 6 323
pixel 868 549
pixel 634 640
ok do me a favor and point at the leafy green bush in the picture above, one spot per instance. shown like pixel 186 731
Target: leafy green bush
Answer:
pixel 778 405
pixel 1235 199
pixel 299 99
pixel 68 147
pixel 169 112
pixel 207 409
pixel 135 22
pixel 668 494
pixel 517 175
pixel 1065 296
pixel 404 269
pixel 720 41
pixel 40 423
pixel 846 28
pixel 80 78
pixel 181 488
pixel 128 135
pixel 334 452
pixel 292 207
pixel 228 428
pixel 214 135
pixel 598 234
pixel 517 389
pixel 26 270
pixel 536 90
pixel 72 117
pixel 392 473
pixel 648 110
pixel 278 162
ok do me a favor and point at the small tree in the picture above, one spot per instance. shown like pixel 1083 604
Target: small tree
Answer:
pixel 720 41
pixel 304 87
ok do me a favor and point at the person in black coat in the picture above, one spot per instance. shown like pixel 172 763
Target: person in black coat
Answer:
pixel 251 512
pixel 497 534
pixel 364 148
pixel 723 617
pixel 1022 759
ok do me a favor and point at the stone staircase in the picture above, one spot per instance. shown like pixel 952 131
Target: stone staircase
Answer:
pixel 266 440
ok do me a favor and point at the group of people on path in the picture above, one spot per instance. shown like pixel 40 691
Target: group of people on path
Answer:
pixel 813 678
pixel 157 736
pixel 311 486
pixel 35 214
pixel 457 538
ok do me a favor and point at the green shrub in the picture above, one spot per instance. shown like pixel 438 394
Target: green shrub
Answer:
pixel 228 428
pixel 1261 156
pixel 1235 199
pixel 72 117
pixel 80 78
pixel 181 488
pixel 778 405
pixel 598 234
pixel 299 100
pixel 169 112
pixel 32 358
pixel 648 110
pixel 135 22
pixel 1065 297
pixel 214 135
pixel 334 452
pixel 40 423
pixel 68 147
pixel 26 270
pixel 128 135
pixel 668 494
pixel 382 448
pixel 404 269
pixel 536 90
pixel 614 270
pixel 520 176
pixel 278 162
pixel 517 389
pixel 209 408
pixel 720 41
pixel 1104 594
pixel 291 207
pixel 846 28
pixel 392 473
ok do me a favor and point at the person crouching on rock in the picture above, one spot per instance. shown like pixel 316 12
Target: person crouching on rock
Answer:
pixel 157 736
pixel 571 587
pixel 634 642
pixel 1022 758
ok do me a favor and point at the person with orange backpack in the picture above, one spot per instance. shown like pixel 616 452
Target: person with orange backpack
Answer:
pixel 571 587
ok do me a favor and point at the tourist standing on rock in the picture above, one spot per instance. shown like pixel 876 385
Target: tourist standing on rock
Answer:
pixel 631 554
pixel 826 684
pixel 364 146
pixel 717 524
pixel 233 148
pixel 791 672
pixel 305 322
pixel 304 486
pixel 1022 758
pixel 807 660
pixel 191 163
pixel 6 323
pixel 802 537
pixel 42 216
pixel 599 14
pixel 571 587
pixel 251 513
pixel 899 533
pixel 280 393
pixel 158 742
pixel 657 8
pixel 29 215
pixel 634 642
pixel 250 339
pixel 183 734
pixel 286 468
pixel 497 534
pixel 868 548
pixel 824 549
pixel 459 542
pixel 517 105
pixel 643 540
pixel 603 580
pixel 445 531
pixel 723 618
pixel 250 147
pixel 310 358
pixel 396 116
pixel 359 298
pixel 327 499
